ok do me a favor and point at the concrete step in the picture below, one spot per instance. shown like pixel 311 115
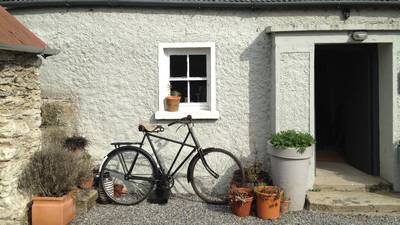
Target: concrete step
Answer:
pixel 353 202
pixel 336 176
pixel 85 200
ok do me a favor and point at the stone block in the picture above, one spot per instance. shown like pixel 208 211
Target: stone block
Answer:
pixel 85 200
pixel 57 113
pixel 7 151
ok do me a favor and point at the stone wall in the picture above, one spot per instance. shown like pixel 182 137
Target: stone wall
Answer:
pixel 19 128
pixel 58 122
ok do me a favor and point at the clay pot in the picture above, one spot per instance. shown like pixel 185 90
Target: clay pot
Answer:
pixel 268 204
pixel 173 103
pixel 285 206
pixel 118 190
pixel 53 210
pixel 241 208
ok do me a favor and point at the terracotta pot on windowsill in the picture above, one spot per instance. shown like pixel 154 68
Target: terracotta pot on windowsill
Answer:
pixel 173 103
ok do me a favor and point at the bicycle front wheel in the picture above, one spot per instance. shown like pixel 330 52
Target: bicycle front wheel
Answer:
pixel 214 190
pixel 125 187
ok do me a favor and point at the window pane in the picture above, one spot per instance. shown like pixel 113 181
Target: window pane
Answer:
pixel 181 87
pixel 198 91
pixel 178 66
pixel 198 65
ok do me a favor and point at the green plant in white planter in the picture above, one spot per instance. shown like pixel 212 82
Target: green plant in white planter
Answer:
pixel 290 160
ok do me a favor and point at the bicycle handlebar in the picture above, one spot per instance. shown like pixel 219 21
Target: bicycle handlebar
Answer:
pixel 187 120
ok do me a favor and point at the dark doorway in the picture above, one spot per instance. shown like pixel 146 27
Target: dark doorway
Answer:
pixel 346 105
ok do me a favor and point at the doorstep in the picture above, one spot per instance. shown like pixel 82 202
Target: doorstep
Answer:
pixel 353 202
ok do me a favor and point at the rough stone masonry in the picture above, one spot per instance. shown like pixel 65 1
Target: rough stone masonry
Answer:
pixel 20 119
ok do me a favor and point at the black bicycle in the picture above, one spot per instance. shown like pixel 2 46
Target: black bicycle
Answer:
pixel 135 172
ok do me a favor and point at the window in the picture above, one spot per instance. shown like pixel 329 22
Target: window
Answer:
pixel 188 68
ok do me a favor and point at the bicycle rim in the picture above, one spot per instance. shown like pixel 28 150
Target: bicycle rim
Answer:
pixel 115 183
pixel 210 189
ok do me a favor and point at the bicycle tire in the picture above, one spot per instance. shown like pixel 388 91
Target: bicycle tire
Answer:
pixel 113 175
pixel 215 190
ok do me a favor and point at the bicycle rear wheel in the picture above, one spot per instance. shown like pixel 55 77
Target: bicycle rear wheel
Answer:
pixel 121 186
pixel 210 189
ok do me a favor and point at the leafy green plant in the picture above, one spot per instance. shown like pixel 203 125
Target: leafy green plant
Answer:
pixel 292 139
pixel 49 173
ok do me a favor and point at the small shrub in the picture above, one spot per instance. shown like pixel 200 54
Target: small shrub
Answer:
pixel 50 173
pixel 292 139
pixel 255 174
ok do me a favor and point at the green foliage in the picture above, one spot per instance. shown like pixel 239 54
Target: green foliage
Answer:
pixel 49 173
pixel 292 139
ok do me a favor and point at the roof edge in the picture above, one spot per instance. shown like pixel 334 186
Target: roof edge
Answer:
pixel 195 4
pixel 29 49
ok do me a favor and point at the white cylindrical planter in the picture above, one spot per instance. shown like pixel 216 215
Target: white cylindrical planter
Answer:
pixel 289 170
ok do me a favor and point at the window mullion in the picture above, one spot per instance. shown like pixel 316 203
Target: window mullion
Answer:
pixel 187 76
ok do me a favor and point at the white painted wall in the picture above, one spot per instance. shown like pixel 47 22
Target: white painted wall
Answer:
pixel 108 66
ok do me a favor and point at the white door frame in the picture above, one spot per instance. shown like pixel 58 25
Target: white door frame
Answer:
pixel 293 76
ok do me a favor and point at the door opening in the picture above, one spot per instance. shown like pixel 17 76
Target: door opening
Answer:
pixel 347 105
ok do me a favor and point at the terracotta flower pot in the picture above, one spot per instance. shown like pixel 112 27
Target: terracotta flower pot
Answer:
pixel 173 103
pixel 118 190
pixel 268 204
pixel 53 210
pixel 285 206
pixel 241 208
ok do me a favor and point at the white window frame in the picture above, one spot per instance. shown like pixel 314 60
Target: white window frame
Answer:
pixel 197 110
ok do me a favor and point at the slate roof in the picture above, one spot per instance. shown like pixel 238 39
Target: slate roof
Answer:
pixel 198 3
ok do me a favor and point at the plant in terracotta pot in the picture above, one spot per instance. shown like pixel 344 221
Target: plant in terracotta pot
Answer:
pixel 49 177
pixel 240 199
pixel 256 175
pixel 268 201
pixel 76 145
pixel 290 154
pixel 172 101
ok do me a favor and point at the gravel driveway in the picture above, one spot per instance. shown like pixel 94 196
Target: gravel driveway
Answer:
pixel 184 210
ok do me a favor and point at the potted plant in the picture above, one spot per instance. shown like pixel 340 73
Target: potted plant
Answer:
pixel 268 201
pixel 76 145
pixel 240 199
pixel 173 100
pixel 290 153
pixel 49 177
pixel 256 175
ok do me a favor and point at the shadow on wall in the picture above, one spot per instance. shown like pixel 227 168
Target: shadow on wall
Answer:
pixel 259 54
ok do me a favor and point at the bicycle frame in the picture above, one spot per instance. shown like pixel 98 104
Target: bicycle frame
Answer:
pixel 196 147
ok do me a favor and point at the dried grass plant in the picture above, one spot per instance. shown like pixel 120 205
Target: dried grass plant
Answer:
pixel 49 173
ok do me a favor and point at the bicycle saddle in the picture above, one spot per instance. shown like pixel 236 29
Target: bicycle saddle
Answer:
pixel 151 128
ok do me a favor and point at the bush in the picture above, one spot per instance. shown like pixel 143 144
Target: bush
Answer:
pixel 49 173
pixel 292 139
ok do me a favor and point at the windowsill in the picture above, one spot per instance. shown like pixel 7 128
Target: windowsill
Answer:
pixel 202 114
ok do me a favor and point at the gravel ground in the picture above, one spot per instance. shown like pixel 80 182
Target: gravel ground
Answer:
pixel 184 210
